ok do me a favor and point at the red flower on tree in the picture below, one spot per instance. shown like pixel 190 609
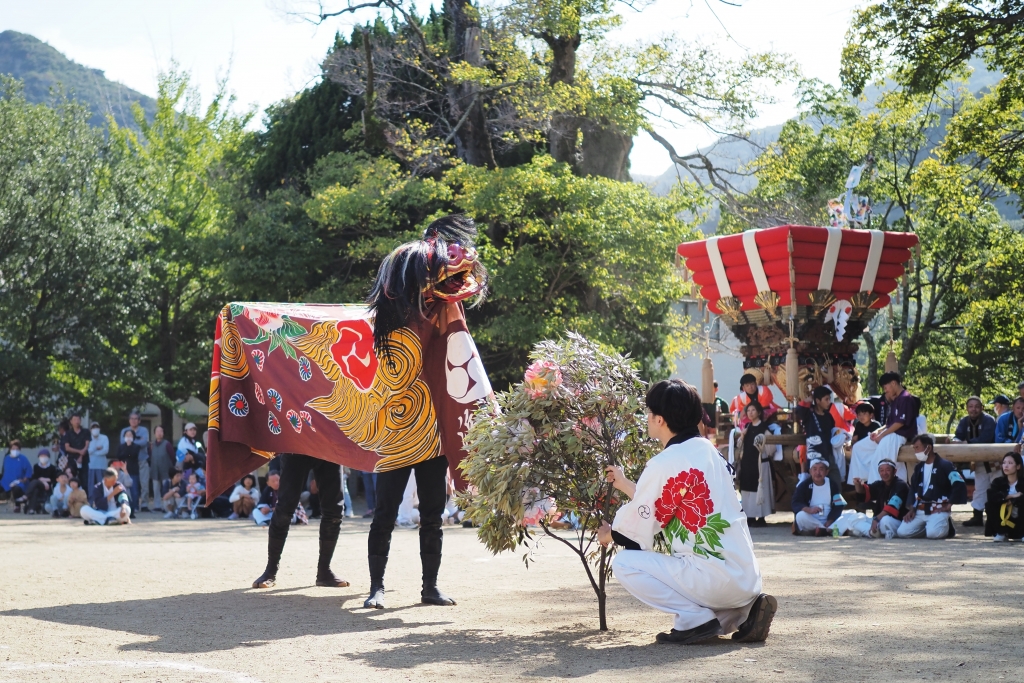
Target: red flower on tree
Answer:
pixel 685 507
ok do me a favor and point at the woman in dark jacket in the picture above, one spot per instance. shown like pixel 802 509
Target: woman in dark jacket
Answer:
pixel 1003 509
pixel 755 470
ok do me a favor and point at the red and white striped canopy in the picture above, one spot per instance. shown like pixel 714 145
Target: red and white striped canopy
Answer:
pixel 842 261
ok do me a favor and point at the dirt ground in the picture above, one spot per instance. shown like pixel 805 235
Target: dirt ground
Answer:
pixel 169 601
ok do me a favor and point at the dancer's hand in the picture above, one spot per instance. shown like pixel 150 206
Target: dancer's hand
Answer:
pixel 614 475
pixel 604 533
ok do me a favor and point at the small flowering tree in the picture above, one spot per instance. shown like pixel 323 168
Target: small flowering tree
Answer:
pixel 577 410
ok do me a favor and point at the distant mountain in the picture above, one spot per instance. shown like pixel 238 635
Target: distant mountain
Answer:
pixel 41 67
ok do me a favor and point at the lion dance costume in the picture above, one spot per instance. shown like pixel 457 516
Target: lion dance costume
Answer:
pixel 387 387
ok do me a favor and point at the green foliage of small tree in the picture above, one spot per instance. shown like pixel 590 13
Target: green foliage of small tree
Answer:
pixel 549 438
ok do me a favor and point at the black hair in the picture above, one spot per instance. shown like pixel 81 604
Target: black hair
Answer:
pixel 1016 458
pixel 1019 399
pixel 173 471
pixel 396 297
pixel 677 402
pixel 889 377
pixel 925 440
pixel 820 392
pixel 757 405
pixel 248 476
pixel 865 407
pixel 747 378
pixel 716 384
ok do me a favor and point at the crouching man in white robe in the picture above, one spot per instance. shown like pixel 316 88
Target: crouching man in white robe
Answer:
pixel 711 581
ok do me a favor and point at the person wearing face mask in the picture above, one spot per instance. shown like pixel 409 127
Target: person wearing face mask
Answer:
pixel 44 476
pixel 99 452
pixel 17 473
pixel 936 486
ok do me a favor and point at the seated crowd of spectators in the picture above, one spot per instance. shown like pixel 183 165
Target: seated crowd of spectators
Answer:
pixel 887 500
pixel 83 476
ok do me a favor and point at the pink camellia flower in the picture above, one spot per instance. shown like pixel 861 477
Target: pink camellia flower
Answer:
pixel 541 378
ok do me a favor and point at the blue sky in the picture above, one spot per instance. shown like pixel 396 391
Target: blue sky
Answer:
pixel 269 54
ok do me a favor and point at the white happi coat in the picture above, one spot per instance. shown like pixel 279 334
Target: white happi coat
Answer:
pixel 716 570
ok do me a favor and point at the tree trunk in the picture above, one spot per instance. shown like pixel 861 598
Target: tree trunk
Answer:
pixel 605 151
pixel 602 594
pixel 871 385
pixel 472 141
pixel 167 422
pixel 564 132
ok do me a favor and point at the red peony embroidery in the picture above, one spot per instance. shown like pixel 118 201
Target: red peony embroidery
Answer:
pixel 354 353
pixel 685 507
pixel 687 498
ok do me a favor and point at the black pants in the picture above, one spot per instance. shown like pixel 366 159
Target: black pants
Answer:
pixel 431 487
pixel 37 494
pixel 295 469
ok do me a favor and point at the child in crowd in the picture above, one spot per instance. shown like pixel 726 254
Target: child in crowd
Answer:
pixel 172 493
pixel 58 505
pixel 77 498
pixel 244 498
pixel 866 422
pixel 194 494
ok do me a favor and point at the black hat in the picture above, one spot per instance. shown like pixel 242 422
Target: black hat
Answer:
pixel 1002 399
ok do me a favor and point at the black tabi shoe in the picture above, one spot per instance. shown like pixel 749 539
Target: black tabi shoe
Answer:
pixel 952 529
pixel 377 564
pixel 693 635
pixel 759 621
pixel 976 520
pixel 431 594
pixel 266 580
pixel 328 579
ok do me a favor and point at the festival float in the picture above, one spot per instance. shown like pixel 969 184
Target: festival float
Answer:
pixel 797 297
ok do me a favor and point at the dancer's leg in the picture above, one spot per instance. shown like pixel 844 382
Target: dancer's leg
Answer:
pixel 432 485
pixel 389 492
pixel 328 482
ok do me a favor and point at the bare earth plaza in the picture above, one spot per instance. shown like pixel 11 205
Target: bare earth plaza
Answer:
pixel 501 340
pixel 915 610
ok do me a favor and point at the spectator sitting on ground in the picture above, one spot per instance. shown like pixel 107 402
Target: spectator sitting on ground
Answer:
pixel 264 510
pixel 16 475
pixel 109 503
pixel 978 427
pixel 901 411
pixel 188 443
pixel 161 460
pixel 866 422
pixel 44 476
pixel 172 493
pixel 194 494
pixel 1005 521
pixel 77 499
pixel 888 498
pixel 1010 425
pixel 58 503
pixel 936 486
pixel 244 497
pixel 817 502
pixel 99 452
